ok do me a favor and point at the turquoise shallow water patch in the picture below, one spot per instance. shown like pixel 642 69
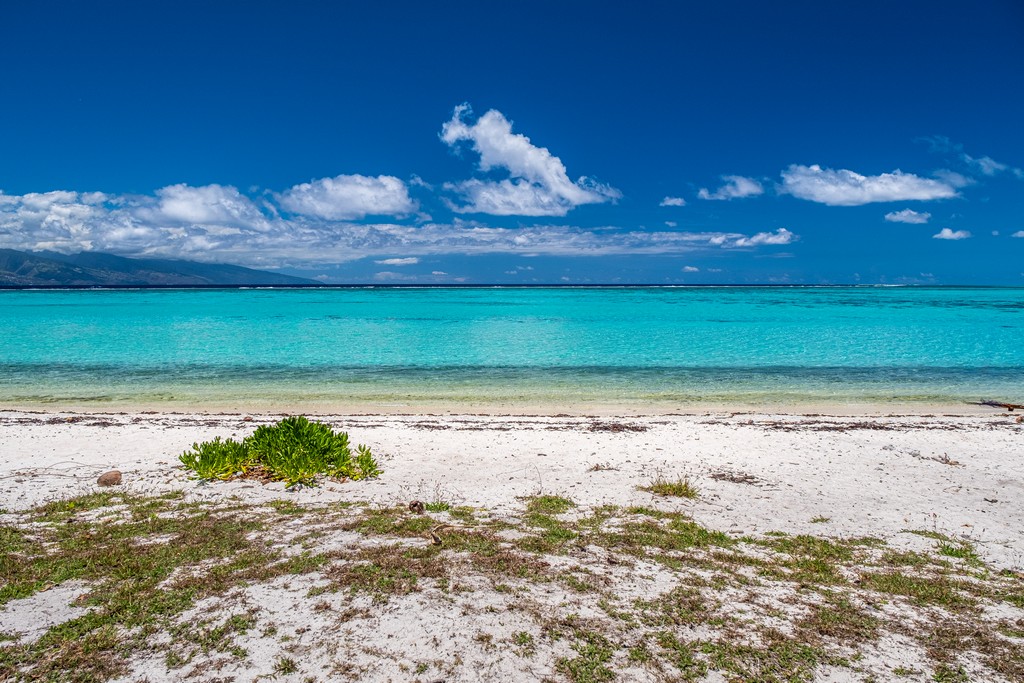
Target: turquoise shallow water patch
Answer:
pixel 760 344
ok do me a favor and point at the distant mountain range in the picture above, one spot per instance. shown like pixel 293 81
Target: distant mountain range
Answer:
pixel 20 268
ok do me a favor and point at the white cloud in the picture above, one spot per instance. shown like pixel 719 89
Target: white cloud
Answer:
pixel 736 187
pixel 538 184
pixel 1019 233
pixel 206 205
pixel 985 165
pixel 671 224
pixel 313 223
pixel 908 216
pixel 780 236
pixel 691 269
pixel 390 276
pixel 953 179
pixel 438 272
pixel 410 261
pixel 947 234
pixel 847 188
pixel 143 226
pixel 346 197
pixel 673 201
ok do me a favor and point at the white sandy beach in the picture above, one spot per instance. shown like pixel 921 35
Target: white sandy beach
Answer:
pixel 870 475
pixel 960 476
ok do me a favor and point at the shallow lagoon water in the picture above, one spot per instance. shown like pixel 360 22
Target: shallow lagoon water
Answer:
pixel 678 345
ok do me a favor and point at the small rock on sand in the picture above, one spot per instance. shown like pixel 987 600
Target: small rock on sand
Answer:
pixel 111 478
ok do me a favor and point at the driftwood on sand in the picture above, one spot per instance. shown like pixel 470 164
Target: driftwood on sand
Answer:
pixel 997 404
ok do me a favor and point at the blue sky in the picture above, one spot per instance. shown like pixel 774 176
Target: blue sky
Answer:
pixel 554 142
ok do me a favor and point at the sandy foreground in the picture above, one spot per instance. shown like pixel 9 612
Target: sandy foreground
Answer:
pixel 831 548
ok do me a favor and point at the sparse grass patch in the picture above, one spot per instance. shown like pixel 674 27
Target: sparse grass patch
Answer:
pixel 554 534
pixel 395 521
pixel 594 651
pixel 287 507
pixel 679 533
pixel 682 606
pixel 961 551
pixel 947 674
pixel 777 658
pixel 811 559
pixel 905 671
pixel 711 602
pixel 648 512
pixel 935 535
pixel 285 666
pixel 387 570
pixel 575 583
pixel 840 619
pixel 684 656
pixel 640 654
pixel 463 514
pixel 549 505
pixel 939 590
pixel 135 585
pixel 1011 631
pixel 60 510
pixel 905 559
pixel 524 643
pixel 679 488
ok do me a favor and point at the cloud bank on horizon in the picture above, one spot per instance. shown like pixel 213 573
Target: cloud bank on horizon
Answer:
pixel 323 221
pixel 351 216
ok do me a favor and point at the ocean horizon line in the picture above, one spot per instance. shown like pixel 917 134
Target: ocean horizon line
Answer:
pixel 51 288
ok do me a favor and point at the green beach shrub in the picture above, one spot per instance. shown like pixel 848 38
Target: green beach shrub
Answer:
pixel 294 450
pixel 217 459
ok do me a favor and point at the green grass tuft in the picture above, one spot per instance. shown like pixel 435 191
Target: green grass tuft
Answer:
pixel 549 505
pixel 680 488
pixel 594 651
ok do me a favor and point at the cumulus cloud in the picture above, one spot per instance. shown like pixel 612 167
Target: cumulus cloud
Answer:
pixel 347 197
pixel 847 188
pixel 205 205
pixel 1019 233
pixel 673 201
pixel 691 269
pixel 735 187
pixel 410 261
pixel 907 216
pixel 538 184
pixel 947 234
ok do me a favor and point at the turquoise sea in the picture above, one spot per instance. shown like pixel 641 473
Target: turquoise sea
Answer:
pixel 393 347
